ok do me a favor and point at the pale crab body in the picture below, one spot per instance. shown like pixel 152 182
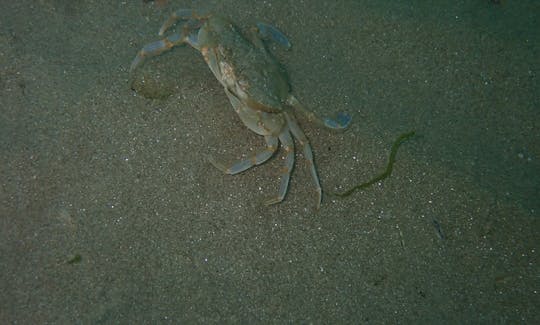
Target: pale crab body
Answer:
pixel 255 83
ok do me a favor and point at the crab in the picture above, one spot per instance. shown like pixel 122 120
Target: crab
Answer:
pixel 255 83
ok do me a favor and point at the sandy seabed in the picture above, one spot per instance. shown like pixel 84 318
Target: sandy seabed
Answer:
pixel 111 213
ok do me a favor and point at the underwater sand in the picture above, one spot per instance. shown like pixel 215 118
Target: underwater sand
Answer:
pixel 111 213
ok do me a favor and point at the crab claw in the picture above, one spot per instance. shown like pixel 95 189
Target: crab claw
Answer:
pixel 342 121
pixel 269 32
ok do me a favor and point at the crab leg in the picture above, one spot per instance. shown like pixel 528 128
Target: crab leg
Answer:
pixel 308 154
pixel 156 48
pixel 180 14
pixel 166 44
pixel 288 145
pixel 257 159
pixel 342 122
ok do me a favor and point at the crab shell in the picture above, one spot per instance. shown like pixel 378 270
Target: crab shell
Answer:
pixel 255 83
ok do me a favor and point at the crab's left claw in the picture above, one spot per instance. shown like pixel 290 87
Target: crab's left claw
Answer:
pixel 342 121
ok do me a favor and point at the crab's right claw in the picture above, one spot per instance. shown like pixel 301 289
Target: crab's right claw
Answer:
pixel 269 32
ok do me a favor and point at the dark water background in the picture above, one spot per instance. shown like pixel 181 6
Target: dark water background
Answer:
pixel 110 212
